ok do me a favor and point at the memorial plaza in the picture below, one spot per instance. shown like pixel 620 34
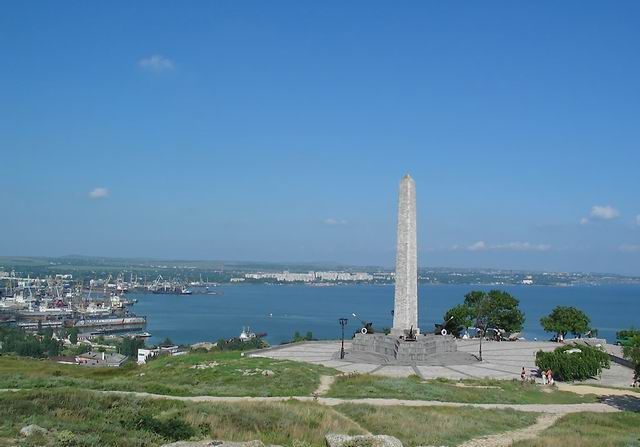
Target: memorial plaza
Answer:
pixel 501 360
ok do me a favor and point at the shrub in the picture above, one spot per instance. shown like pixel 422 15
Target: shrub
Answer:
pixel 173 428
pixel 235 344
pixel 627 333
pixel 65 438
pixel 568 364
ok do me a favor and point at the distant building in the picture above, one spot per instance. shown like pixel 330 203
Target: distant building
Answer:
pixel 329 276
pixel 101 359
pixel 148 354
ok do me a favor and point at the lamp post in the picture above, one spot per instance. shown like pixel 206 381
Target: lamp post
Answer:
pixel 343 322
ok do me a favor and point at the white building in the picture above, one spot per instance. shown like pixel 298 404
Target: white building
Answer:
pixel 147 354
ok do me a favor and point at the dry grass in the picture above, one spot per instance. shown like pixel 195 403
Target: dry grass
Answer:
pixel 416 426
pixel 471 391
pixel 91 419
pixel 98 420
pixel 233 375
pixel 590 430
pixel 273 423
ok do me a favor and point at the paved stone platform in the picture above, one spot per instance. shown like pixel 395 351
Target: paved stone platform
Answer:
pixel 501 360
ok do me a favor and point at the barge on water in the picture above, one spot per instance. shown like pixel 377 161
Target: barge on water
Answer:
pixel 112 324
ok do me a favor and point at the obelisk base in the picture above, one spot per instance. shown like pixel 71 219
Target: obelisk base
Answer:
pixel 403 332
pixel 426 349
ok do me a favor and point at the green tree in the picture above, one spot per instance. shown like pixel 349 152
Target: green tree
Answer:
pixel 129 346
pixel 73 335
pixel 309 336
pixel 494 309
pixel 167 342
pixel 497 309
pixel 82 348
pixel 48 333
pixel 456 318
pixel 631 351
pixel 565 319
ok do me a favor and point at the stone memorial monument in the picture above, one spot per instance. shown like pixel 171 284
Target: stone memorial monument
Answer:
pixel 405 345
pixel 405 312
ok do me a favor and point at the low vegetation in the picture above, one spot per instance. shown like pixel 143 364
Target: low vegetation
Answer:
pixel 297 337
pixel 573 362
pixel 235 344
pixel 29 345
pixel 590 430
pixel 468 391
pixel 77 418
pixel 213 374
pixel 435 426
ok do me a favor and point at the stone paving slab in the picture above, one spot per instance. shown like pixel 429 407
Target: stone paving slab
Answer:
pixel 502 360
pixel 496 369
pixel 332 363
pixel 436 372
pixel 358 367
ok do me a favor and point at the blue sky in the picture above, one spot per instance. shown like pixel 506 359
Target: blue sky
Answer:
pixel 279 131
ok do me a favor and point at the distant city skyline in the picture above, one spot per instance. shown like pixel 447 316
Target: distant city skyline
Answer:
pixel 278 132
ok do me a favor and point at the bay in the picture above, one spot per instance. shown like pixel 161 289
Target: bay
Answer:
pixel 280 310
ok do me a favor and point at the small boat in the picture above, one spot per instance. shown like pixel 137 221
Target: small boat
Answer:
pixel 246 334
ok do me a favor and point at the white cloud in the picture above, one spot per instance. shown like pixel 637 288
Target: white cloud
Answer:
pixel 332 221
pixel 156 63
pixel 478 246
pixel 523 246
pixel 512 246
pixel 600 212
pixel 629 248
pixel 98 193
pixel 604 212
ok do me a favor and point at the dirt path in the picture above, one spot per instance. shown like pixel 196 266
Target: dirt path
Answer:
pixel 332 401
pixel 534 408
pixel 507 438
pixel 325 385
pixel 598 391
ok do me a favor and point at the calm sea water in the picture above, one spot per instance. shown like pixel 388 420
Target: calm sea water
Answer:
pixel 281 310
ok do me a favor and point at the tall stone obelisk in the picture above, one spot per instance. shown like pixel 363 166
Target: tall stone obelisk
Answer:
pixel 405 314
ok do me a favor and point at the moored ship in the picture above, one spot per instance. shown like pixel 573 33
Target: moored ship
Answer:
pixel 112 324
